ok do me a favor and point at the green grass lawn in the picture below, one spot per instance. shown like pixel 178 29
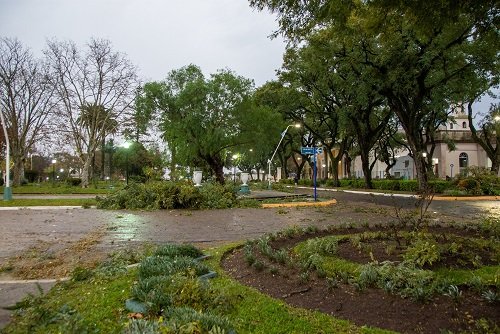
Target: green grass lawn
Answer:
pixel 85 202
pixel 63 188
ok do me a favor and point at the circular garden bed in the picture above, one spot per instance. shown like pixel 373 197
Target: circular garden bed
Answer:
pixel 430 280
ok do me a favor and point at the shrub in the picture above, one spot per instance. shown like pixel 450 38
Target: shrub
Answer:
pixel 439 186
pixel 188 196
pixel 172 250
pixel 162 265
pixel 471 186
pixel 186 317
pixel 422 252
pixel 217 196
pixel 171 195
pixel 408 185
pixel 479 181
pixel 31 175
pixel 386 184
pixel 153 291
pixel 306 182
pixel 406 281
pixel 74 182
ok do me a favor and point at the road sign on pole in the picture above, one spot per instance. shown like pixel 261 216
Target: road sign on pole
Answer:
pixel 311 150
pixel 307 150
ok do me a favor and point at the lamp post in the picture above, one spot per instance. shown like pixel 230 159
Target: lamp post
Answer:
pixel 126 146
pixel 235 156
pixel 276 150
pixel 53 171
pixel 7 190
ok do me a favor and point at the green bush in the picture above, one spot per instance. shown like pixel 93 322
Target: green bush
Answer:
pixel 172 250
pixel 408 185
pixel 439 186
pixel 31 175
pixel 74 182
pixel 387 184
pixel 163 265
pixel 217 196
pixel 479 181
pixel 171 195
pixel 180 317
pixel 422 252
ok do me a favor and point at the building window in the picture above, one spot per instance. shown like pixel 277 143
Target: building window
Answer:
pixel 464 125
pixel 451 126
pixel 463 162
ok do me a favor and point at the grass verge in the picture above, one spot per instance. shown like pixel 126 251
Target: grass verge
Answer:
pixel 22 202
pixel 59 189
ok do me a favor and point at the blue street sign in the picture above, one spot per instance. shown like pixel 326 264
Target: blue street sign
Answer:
pixel 311 150
pixel 306 150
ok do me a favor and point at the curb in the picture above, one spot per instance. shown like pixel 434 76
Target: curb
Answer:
pixel 55 207
pixel 35 281
pixel 297 204
pixel 436 198
pixel 467 198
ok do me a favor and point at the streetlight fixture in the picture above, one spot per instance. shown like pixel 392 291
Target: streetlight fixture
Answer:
pixel 276 150
pixel 53 171
pixel 126 146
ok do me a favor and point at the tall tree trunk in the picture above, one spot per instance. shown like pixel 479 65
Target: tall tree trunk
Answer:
pixel 365 165
pixel 18 172
pixel 103 156
pixel 217 168
pixel 86 172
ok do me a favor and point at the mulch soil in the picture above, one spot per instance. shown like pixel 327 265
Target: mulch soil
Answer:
pixel 372 307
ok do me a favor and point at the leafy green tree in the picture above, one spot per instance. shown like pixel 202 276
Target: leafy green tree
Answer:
pixel 317 102
pixel 488 134
pixel 139 160
pixel 417 52
pixel 202 119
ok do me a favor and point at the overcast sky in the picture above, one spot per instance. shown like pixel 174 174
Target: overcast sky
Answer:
pixel 157 35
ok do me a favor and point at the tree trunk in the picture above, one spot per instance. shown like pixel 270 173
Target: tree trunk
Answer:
pixel 422 176
pixel 495 164
pixel 18 172
pixel 335 168
pixel 217 168
pixel 103 156
pixel 367 172
pixel 219 173
pixel 86 172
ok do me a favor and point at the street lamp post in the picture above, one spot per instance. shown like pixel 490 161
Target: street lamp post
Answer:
pixel 53 171
pixel 235 156
pixel 126 145
pixel 276 150
pixel 7 190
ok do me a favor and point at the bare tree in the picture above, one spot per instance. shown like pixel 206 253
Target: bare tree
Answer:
pixel 26 97
pixel 96 88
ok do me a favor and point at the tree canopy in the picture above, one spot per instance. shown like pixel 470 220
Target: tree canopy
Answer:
pixel 416 54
